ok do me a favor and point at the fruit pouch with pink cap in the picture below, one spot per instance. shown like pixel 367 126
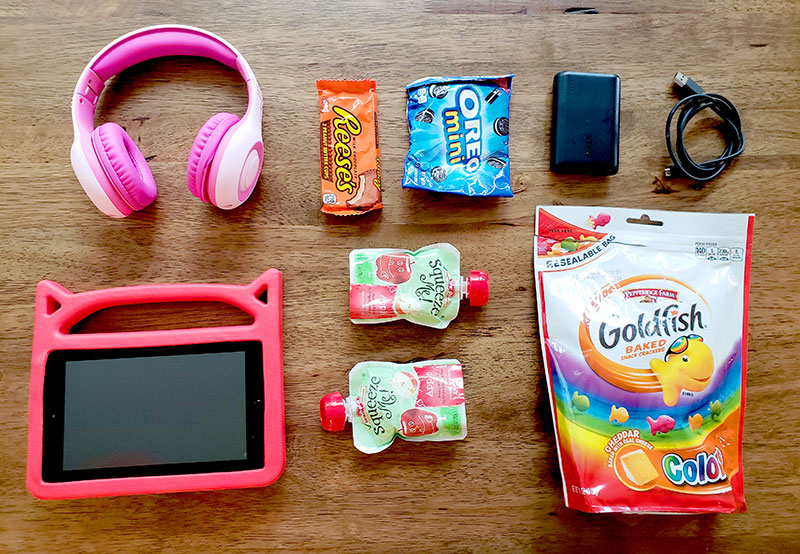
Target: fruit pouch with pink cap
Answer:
pixel 421 401
pixel 424 287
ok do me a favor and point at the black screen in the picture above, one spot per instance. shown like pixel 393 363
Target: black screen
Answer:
pixel 153 411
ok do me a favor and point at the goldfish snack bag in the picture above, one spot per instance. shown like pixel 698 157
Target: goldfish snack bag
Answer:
pixel 349 151
pixel 643 322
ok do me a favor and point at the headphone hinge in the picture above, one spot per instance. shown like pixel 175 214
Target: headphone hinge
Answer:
pixel 90 86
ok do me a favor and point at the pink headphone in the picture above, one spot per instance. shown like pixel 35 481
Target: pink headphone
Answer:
pixel 226 156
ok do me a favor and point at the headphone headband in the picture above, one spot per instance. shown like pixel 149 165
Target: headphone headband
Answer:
pixel 147 44
pixel 226 156
pixel 155 42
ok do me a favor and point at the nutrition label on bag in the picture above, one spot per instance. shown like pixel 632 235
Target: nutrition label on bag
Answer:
pixel 711 251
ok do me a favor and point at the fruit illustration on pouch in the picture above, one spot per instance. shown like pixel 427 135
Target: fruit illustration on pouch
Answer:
pixel 394 268
pixel 407 383
pixel 373 301
pixel 417 422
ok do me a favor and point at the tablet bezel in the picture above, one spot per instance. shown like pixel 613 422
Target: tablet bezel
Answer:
pixel 53 412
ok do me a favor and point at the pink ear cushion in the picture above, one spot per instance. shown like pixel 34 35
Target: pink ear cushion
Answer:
pixel 203 150
pixel 124 164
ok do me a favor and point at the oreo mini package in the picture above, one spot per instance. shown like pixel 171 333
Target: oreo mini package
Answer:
pixel 458 135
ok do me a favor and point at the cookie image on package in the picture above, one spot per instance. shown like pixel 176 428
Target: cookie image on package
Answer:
pixel 425 116
pixel 438 174
pixel 438 91
pixel 496 162
pixel 501 126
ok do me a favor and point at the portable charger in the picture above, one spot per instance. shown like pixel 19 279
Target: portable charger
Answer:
pixel 585 133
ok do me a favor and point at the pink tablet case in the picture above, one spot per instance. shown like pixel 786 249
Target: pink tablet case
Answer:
pixel 58 310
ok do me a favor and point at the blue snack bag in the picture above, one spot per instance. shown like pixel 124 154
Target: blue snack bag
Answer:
pixel 458 135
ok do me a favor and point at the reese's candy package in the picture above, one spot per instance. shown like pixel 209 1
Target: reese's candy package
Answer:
pixel 349 153
pixel 644 334
pixel 458 135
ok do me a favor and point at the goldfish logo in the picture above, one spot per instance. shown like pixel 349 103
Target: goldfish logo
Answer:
pixel 345 127
pixel 627 331
pixel 661 323
pixel 688 365
pixel 462 130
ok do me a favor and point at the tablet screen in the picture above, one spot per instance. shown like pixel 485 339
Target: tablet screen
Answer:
pixel 153 411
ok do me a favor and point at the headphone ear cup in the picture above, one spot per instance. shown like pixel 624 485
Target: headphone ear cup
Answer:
pixel 203 150
pixel 124 164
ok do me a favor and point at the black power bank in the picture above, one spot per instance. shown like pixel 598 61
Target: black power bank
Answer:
pixel 584 138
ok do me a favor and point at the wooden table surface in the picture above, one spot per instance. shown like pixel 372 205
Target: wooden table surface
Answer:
pixel 500 489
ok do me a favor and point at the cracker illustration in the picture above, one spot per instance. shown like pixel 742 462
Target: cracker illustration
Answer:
pixel 639 469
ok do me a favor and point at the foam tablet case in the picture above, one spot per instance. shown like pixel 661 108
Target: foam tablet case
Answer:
pixel 58 310
pixel 585 130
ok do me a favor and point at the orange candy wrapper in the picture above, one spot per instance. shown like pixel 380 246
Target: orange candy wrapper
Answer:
pixel 349 153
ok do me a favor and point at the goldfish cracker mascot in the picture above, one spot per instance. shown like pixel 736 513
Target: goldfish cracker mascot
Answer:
pixel 688 365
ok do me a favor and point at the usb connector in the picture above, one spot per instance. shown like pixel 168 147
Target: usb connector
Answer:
pixel 685 86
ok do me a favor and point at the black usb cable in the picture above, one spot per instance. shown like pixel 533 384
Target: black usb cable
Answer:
pixel 693 101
